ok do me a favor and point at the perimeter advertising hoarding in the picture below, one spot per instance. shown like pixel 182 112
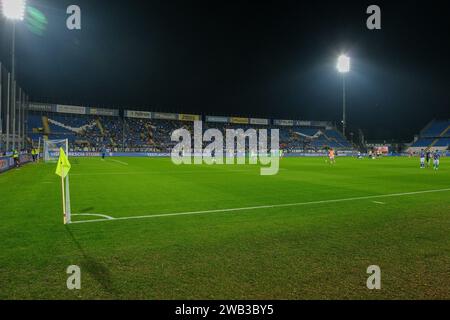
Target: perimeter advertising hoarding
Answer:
pixel 165 116
pixel 217 119
pixel 138 114
pixel 7 163
pixel 62 108
pixel 259 121
pixel 188 117
pixel 284 122
pixel 239 120
pixel 103 112
pixel 44 107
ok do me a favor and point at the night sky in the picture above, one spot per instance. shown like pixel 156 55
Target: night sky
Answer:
pixel 244 58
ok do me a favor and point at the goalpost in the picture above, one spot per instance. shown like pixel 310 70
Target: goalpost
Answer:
pixel 51 154
pixel 51 149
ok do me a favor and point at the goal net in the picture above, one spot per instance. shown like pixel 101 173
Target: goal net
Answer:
pixel 51 149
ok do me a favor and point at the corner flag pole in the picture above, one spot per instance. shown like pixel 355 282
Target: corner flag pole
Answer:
pixel 39 150
pixel 63 163
pixel 68 209
pixel 63 196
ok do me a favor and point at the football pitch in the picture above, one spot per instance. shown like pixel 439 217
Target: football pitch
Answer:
pixel 144 228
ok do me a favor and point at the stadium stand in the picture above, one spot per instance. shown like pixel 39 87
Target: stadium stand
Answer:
pixel 143 133
pixel 436 135
pixel 151 134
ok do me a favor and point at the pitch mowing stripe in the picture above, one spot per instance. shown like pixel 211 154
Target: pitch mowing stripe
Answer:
pixel 266 206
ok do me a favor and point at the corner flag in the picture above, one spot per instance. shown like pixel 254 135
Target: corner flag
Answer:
pixel 62 170
pixel 63 167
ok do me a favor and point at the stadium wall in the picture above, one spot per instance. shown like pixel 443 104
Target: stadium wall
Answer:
pixel 7 163
pixel 60 108
pixel 118 154
pixel 166 154
pixel 289 154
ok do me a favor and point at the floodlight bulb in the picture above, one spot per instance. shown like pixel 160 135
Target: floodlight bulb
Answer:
pixel 343 64
pixel 13 9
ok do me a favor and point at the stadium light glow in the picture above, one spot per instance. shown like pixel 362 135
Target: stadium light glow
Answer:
pixel 13 9
pixel 343 64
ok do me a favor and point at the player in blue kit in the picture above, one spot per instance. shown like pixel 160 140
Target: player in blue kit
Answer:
pixel 422 159
pixel 436 157
pixel 428 157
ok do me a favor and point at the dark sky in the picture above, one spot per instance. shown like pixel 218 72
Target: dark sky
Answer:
pixel 244 58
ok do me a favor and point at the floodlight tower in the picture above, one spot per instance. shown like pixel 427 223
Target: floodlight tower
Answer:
pixel 13 10
pixel 343 66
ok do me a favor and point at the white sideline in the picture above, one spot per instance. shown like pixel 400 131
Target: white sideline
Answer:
pixel 118 161
pixel 155 172
pixel 266 206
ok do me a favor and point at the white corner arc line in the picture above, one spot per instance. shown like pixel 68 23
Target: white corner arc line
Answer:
pixel 94 214
pixel 265 206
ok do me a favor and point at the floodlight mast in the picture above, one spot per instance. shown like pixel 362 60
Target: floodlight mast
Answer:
pixel 343 66
pixel 13 10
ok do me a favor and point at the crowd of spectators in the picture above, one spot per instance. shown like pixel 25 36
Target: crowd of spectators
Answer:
pixel 93 133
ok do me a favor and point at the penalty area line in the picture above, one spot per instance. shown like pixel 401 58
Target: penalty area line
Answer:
pixel 295 204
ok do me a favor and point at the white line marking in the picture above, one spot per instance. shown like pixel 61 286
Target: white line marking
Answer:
pixel 107 173
pixel 378 202
pixel 93 214
pixel 118 161
pixel 268 206
pixel 157 172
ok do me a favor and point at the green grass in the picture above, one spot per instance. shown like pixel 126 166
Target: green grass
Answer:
pixel 315 251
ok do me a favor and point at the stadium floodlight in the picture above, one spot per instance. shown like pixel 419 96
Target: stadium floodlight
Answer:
pixel 13 9
pixel 343 64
